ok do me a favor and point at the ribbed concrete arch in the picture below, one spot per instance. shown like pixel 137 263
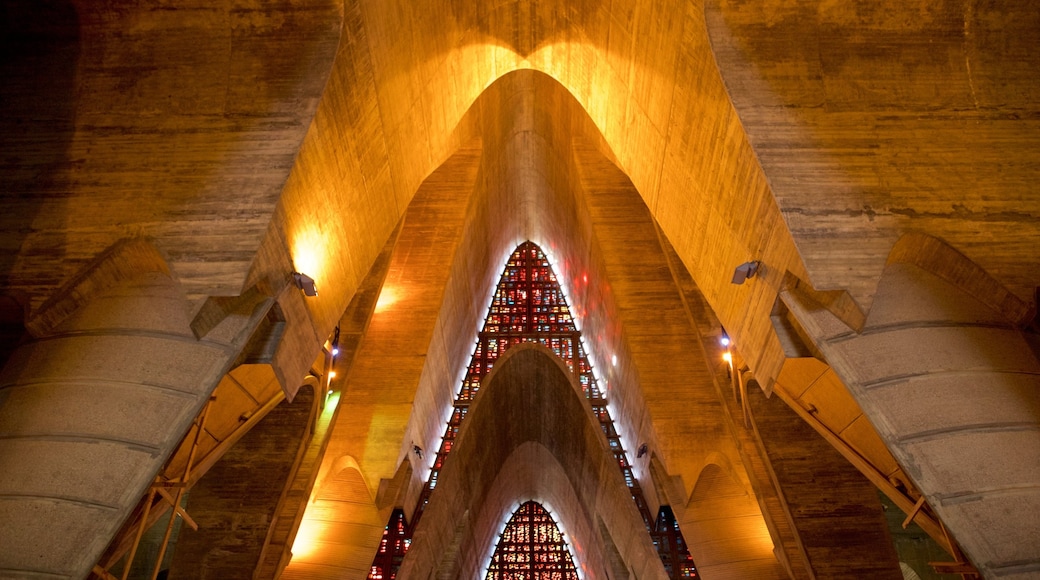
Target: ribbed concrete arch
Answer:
pixel 825 132
pixel 953 388
pixel 545 177
pixel 528 187
pixel 405 80
pixel 538 172
pixel 99 400
pixel 724 528
pixel 531 398
pixel 550 486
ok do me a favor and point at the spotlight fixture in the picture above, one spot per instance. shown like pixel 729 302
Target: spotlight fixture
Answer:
pixel 417 450
pixel 642 451
pixel 305 283
pixel 745 271
pixel 335 342
pixel 724 338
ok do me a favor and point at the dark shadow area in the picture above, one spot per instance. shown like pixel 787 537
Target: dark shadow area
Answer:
pixel 39 55
pixel 235 503
pixel 12 327
pixel 833 507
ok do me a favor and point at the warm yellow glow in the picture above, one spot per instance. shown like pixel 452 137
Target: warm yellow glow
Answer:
pixel 332 374
pixel 726 356
pixel 306 542
pixel 761 539
pixel 387 297
pixel 309 253
pixel 331 400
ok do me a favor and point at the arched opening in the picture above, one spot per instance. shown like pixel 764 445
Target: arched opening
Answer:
pixel 529 306
pixel 532 546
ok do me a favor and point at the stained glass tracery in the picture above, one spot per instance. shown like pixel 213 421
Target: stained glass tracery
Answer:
pixel 531 548
pixel 529 306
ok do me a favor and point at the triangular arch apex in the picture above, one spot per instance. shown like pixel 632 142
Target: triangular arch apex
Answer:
pixel 529 307
pixel 531 541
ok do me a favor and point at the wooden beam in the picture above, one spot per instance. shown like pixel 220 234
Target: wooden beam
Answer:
pixel 140 532
pixel 201 421
pixel 165 484
pixel 953 568
pixel 214 455
pixel 150 516
pixel 927 523
pixel 917 509
pixel 180 511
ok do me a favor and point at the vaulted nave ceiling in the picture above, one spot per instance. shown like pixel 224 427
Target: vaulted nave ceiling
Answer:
pixel 534 174
pixel 744 142
pixel 841 144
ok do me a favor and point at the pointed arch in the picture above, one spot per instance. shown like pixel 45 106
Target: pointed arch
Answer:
pixel 523 442
pixel 728 531
pixel 529 306
pixel 532 543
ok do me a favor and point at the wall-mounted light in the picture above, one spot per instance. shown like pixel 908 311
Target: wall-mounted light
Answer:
pixel 745 271
pixel 724 338
pixel 335 342
pixel 305 283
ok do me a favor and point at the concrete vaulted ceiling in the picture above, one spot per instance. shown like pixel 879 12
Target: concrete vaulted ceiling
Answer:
pixel 906 125
pixel 538 175
pixel 650 75
pixel 532 435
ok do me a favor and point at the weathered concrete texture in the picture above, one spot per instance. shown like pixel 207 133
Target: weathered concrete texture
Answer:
pixel 149 121
pixel 952 389
pixel 811 136
pixel 586 214
pixel 369 441
pixel 90 412
pixel 530 398
pixel 724 528
pixel 349 495
pixel 235 502
pixel 241 399
pixel 816 388
pixel 835 510
pixel 396 106
pixel 874 120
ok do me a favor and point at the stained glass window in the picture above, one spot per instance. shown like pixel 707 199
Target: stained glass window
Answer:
pixel 529 306
pixel 671 546
pixel 392 548
pixel 531 548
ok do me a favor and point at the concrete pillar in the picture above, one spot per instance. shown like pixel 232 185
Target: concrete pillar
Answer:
pixel 953 388
pixel 91 408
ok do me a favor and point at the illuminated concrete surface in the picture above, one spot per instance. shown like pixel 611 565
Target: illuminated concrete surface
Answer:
pixel 878 160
